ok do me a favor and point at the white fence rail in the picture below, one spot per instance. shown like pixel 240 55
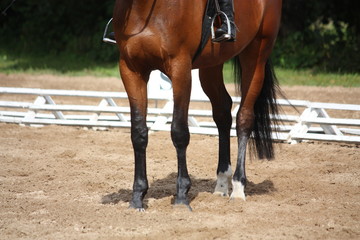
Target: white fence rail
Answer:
pixel 312 123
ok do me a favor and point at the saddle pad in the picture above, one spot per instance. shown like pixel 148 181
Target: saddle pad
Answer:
pixel 209 14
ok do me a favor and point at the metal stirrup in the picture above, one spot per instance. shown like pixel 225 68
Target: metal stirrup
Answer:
pixel 218 13
pixel 106 39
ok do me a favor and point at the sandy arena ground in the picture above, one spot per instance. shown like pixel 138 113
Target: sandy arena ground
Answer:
pixel 71 183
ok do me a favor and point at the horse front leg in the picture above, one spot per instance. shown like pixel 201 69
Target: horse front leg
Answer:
pixel 135 85
pixel 180 135
pixel 213 85
pixel 139 139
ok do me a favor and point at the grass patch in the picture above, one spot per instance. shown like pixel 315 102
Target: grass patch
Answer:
pixel 73 65
pixel 305 77
pixel 310 78
pixel 65 64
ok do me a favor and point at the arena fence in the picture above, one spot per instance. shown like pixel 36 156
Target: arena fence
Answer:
pixel 103 110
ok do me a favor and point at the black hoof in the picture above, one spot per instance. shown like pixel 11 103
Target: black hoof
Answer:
pixel 138 205
pixel 182 203
pixel 183 206
pixel 138 209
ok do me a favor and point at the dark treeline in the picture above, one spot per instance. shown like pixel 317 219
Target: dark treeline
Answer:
pixel 323 35
pixel 37 27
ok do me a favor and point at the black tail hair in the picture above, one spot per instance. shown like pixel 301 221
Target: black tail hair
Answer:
pixel 265 106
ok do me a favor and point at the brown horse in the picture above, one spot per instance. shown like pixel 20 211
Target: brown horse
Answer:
pixel 165 35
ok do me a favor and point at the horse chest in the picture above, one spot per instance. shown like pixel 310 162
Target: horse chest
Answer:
pixel 145 47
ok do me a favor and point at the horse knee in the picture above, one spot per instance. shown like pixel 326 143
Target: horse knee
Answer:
pixel 180 136
pixel 223 120
pixel 139 138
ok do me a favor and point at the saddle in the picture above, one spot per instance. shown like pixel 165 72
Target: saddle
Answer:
pixel 207 26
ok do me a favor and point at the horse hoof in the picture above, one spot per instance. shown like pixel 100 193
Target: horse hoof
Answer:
pixel 238 191
pixel 222 194
pixel 235 196
pixel 183 206
pixel 140 209
pixel 137 209
pixel 222 183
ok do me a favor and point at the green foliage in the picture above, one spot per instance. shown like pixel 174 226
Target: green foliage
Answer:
pixel 321 47
pixel 320 35
pixel 41 27
pixel 65 36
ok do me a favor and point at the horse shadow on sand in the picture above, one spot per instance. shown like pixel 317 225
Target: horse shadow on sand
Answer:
pixel 166 187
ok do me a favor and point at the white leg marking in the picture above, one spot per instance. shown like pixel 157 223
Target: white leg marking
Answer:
pixel 222 183
pixel 238 190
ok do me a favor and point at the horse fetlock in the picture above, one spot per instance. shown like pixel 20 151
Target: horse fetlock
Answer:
pixel 180 139
pixel 141 187
pixel 183 185
pixel 222 183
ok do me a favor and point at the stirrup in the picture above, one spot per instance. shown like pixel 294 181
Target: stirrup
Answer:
pixel 106 39
pixel 226 36
pixel 223 38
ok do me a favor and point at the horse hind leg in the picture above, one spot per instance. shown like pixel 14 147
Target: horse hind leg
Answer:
pixel 257 102
pixel 213 85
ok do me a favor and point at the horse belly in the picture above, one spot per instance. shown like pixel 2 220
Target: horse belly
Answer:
pixel 248 19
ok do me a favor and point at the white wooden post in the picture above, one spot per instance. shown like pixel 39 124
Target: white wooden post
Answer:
pixel 57 114
pixel 31 114
pixel 328 129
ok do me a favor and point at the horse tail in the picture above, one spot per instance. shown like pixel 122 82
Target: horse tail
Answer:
pixel 265 107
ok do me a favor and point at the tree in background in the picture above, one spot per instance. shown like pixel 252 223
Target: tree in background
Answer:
pixel 57 26
pixel 321 35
